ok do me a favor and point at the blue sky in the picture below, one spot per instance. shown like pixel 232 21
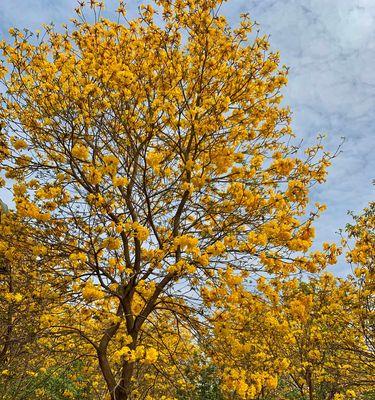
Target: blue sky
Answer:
pixel 329 46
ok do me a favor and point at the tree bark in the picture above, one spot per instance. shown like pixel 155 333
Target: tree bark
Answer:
pixel 124 387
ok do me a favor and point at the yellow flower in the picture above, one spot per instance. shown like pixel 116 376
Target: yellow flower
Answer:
pixel 120 181
pixel 112 243
pixel 92 292
pixel 18 297
pixel 272 382
pixel 151 355
pixel 20 144
pixel 80 151
pixel 154 159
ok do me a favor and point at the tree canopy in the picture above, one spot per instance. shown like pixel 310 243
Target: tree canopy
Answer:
pixel 162 214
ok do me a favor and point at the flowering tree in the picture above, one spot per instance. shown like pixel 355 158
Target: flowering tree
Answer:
pixel 362 259
pixel 310 337
pixel 153 164
pixel 28 292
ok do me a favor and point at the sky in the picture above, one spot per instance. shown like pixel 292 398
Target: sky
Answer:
pixel 329 47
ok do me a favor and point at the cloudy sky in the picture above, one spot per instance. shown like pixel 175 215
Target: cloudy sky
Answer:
pixel 329 46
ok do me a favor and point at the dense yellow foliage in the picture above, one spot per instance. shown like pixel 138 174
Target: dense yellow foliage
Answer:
pixel 164 211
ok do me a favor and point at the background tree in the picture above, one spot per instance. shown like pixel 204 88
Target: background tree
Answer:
pixel 149 159
pixel 19 310
pixel 28 367
pixel 292 339
pixel 322 319
pixel 362 258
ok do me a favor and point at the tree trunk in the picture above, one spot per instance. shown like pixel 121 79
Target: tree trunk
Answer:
pixel 310 383
pixel 123 388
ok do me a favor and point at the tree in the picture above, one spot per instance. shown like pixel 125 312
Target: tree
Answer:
pixel 362 259
pixel 322 320
pixel 30 364
pixel 294 339
pixel 299 338
pixel 20 309
pixel 148 160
